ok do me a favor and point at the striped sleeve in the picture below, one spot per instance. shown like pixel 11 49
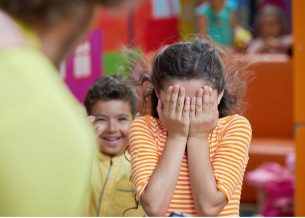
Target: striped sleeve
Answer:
pixel 143 152
pixel 231 157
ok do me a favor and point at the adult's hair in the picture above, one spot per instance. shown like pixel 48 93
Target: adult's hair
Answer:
pixel 34 12
pixel 193 60
pixel 111 88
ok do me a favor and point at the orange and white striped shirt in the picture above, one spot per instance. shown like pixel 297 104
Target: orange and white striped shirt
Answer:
pixel 229 146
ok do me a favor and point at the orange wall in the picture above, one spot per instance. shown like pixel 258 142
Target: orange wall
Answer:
pixel 299 101
pixel 114 30
pixel 115 27
pixel 269 97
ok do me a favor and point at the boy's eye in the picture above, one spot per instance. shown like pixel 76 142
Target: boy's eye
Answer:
pixel 100 120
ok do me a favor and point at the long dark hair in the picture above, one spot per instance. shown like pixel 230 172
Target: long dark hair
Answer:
pixel 197 59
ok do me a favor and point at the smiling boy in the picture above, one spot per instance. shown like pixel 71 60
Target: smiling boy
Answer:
pixel 111 105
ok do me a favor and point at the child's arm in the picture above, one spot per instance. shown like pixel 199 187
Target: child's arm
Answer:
pixel 213 184
pixel 234 21
pixel 202 26
pixel 209 201
pixel 156 183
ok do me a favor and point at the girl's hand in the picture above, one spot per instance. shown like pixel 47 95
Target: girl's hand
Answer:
pixel 174 112
pixel 203 112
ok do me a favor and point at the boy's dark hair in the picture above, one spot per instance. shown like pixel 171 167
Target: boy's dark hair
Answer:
pixel 194 60
pixel 111 88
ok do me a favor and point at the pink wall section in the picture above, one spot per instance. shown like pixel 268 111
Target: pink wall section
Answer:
pixel 84 66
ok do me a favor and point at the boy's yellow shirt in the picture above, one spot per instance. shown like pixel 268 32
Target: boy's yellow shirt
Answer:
pixel 112 188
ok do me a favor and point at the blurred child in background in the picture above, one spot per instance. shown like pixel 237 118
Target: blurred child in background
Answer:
pixel 111 105
pixel 270 33
pixel 217 19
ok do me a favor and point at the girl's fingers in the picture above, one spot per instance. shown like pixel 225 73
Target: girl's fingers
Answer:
pixel 213 106
pixel 199 101
pixel 180 102
pixel 213 99
pixel 193 107
pixel 174 99
pixel 206 99
pixel 186 107
pixel 168 98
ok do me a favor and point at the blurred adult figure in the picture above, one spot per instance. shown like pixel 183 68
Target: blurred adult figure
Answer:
pixel 46 143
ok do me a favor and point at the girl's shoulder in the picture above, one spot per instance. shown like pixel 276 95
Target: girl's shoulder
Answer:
pixel 234 121
pixel 148 125
pixel 148 121
pixel 234 126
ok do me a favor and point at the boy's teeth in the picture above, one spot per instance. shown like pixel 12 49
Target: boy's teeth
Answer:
pixel 112 139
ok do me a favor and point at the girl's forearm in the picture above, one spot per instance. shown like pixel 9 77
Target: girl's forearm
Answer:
pixel 209 201
pixel 158 193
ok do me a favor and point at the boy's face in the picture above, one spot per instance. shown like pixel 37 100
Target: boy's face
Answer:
pixel 112 118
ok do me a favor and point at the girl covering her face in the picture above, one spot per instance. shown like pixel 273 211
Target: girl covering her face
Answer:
pixel 190 155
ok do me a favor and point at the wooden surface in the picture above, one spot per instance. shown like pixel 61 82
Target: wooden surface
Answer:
pixel 298 7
